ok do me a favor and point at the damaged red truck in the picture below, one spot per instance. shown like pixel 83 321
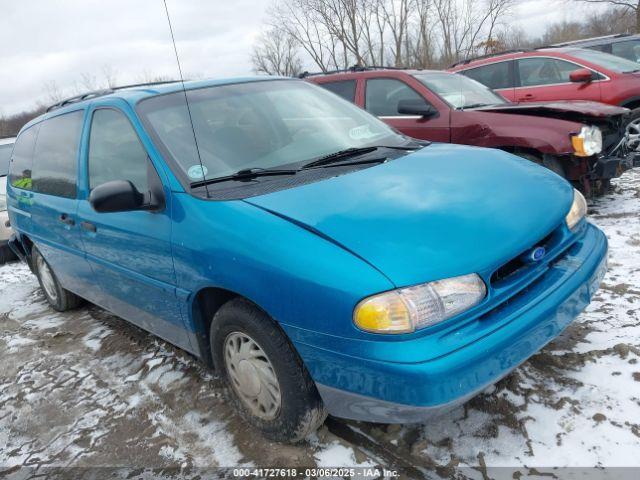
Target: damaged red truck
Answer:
pixel 582 141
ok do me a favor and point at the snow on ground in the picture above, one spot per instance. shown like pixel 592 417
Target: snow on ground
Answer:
pixel 85 388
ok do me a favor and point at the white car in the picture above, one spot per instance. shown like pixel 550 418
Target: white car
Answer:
pixel 6 146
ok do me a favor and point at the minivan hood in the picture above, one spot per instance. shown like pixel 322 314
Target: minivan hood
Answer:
pixel 443 211
pixel 587 108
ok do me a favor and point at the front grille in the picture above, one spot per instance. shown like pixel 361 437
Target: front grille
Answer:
pixel 517 286
pixel 516 264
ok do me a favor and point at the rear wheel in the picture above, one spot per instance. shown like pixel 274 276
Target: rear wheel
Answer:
pixel 59 298
pixel 267 382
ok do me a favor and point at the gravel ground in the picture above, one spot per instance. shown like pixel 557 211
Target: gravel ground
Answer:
pixel 86 389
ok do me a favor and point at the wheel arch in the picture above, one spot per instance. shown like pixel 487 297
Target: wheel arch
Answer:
pixel 207 301
pixel 25 244
pixel 631 103
pixel 519 150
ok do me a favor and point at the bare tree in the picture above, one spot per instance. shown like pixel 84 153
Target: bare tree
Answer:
pixel 396 17
pixel 276 54
pixel 295 19
pixel 110 76
pixel 423 52
pixel 149 77
pixel 631 6
pixel 467 26
pixel 53 92
pixel 563 32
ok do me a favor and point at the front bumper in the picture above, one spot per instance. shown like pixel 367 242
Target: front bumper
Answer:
pixel 606 167
pixel 390 392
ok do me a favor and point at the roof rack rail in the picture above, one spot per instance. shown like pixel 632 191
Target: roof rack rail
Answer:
pixel 584 40
pixel 352 69
pixel 102 92
pixel 489 55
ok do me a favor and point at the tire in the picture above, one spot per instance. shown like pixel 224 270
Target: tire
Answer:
pixel 59 298
pixel 632 129
pixel 294 407
pixel 546 161
pixel 6 255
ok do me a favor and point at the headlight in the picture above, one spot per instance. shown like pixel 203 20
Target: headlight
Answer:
pixel 588 142
pixel 412 308
pixel 578 210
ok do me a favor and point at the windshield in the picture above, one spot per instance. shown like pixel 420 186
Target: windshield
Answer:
pixel 459 91
pixel 629 50
pixel 5 155
pixel 606 60
pixel 258 125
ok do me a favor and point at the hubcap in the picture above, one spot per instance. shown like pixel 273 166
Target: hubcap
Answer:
pixel 46 277
pixel 633 135
pixel 252 376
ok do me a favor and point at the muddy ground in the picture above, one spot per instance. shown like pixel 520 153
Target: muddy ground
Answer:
pixel 87 389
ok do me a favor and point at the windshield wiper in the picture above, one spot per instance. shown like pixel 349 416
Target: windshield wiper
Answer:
pixel 344 164
pixel 245 174
pixel 354 152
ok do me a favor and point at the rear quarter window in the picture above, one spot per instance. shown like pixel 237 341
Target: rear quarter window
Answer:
pixel 22 160
pixel 344 88
pixel 55 159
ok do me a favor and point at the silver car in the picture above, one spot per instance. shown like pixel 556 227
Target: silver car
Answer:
pixel 6 146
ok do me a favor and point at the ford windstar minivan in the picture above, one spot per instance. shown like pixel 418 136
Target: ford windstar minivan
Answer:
pixel 319 260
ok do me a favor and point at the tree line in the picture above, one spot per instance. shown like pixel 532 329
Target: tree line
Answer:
pixel 108 78
pixel 327 35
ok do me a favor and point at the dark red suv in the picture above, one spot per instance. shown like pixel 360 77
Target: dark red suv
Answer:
pixel 566 73
pixel 582 141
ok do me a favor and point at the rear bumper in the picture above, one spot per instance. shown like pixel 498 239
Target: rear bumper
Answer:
pixel 389 392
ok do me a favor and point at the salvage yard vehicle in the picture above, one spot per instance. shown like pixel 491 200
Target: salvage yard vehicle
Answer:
pixel 564 73
pixel 581 141
pixel 6 145
pixel 317 259
pixel 621 45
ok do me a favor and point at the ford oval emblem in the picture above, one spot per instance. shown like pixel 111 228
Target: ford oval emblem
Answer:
pixel 538 254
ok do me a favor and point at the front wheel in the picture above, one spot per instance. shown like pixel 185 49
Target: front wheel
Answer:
pixel 267 382
pixel 546 161
pixel 632 131
pixel 59 298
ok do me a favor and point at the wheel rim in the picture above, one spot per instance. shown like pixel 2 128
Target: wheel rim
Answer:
pixel 633 135
pixel 252 376
pixel 47 279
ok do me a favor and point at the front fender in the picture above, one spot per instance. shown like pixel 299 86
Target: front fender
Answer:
pixel 502 130
pixel 299 278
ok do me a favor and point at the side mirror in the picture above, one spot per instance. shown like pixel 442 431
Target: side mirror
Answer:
pixel 120 196
pixel 416 107
pixel 582 75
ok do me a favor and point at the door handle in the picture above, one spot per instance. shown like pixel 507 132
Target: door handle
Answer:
pixel 528 96
pixel 66 219
pixel 90 227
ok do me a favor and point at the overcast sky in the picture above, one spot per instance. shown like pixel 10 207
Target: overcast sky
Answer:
pixel 45 42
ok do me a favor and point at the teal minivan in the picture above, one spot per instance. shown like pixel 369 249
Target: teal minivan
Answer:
pixel 320 261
